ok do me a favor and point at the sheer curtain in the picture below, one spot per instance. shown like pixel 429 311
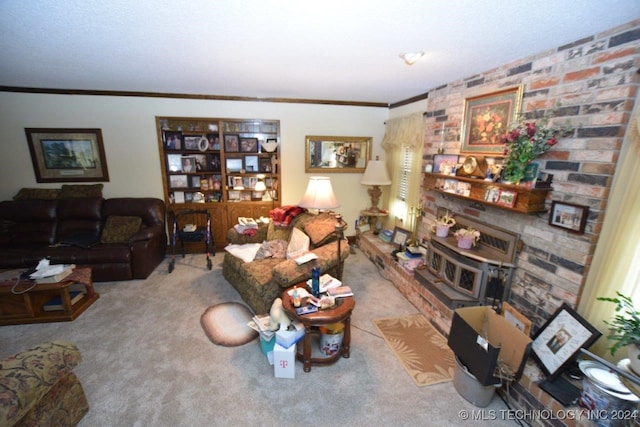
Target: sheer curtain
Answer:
pixel 404 135
pixel 616 262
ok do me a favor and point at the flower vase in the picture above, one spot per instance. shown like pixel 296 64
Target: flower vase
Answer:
pixel 465 242
pixel 442 230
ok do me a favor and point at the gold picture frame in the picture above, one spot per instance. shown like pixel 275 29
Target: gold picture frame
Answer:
pixel 337 154
pixel 67 155
pixel 486 118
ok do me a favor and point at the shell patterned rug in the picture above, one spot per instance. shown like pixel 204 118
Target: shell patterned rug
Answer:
pixel 421 349
pixel 226 324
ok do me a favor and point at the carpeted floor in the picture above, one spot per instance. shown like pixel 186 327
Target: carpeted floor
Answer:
pixel 148 362
pixel 420 348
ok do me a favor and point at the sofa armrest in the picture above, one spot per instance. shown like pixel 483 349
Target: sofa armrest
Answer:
pixel 146 233
pixel 236 238
pixel 27 376
pixel 288 273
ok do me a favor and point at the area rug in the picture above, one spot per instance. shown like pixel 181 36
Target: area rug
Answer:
pixel 226 324
pixel 421 349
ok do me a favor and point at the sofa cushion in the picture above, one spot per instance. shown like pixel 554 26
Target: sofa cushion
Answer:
pixel 80 191
pixel 118 229
pixel 320 228
pixel 298 244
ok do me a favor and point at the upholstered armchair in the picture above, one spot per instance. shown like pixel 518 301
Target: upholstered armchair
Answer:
pixel 38 387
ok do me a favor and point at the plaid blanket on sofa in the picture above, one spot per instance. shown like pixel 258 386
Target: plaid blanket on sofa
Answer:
pixel 283 215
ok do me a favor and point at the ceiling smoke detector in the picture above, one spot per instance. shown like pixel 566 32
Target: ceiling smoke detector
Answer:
pixel 410 58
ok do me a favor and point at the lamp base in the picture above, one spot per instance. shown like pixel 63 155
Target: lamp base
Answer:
pixel 374 192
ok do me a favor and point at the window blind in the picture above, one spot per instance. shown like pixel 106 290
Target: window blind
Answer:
pixel 404 173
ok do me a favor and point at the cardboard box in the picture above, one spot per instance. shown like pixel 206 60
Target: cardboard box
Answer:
pixel 288 338
pixel 479 336
pixel 284 360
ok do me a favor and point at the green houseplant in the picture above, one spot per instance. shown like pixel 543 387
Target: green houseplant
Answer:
pixel 624 328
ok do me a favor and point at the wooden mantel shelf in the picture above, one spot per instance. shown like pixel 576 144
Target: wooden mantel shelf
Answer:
pixel 527 200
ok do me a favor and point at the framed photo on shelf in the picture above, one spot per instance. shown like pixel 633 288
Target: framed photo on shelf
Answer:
pixel 231 143
pixel 234 195
pixel 265 164
pixel 214 141
pixel 172 140
pixel 492 194
pixel 559 340
pixel 192 142
pixel 214 162
pixel 174 162
pixel 238 183
pixel 195 181
pixel 178 197
pixel 337 153
pixel 251 163
pixel 399 237
pixel 249 145
pixel 486 118
pixel 67 155
pixel 507 198
pixel 571 217
pixel 178 181
pixel 188 164
pixel 201 162
pixel 233 165
pixel 442 162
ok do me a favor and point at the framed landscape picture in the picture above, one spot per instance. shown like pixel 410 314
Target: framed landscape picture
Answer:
pixel 67 155
pixel 486 118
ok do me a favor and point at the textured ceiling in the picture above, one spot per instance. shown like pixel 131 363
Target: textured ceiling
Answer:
pixel 344 50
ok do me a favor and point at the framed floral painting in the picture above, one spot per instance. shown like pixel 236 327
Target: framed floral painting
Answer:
pixel 487 118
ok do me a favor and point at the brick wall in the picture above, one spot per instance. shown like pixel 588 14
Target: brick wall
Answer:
pixel 592 83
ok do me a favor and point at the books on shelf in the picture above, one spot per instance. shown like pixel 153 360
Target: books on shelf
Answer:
pixel 342 291
pixel 55 303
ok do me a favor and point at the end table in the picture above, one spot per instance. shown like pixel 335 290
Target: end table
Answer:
pixel 341 312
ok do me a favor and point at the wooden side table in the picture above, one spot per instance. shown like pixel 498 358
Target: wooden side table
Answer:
pixel 340 313
pixel 22 302
pixel 374 217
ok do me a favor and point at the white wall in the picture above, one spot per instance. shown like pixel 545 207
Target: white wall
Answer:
pixel 131 145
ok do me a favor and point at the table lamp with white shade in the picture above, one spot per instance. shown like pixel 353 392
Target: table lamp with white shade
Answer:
pixel 375 175
pixel 320 195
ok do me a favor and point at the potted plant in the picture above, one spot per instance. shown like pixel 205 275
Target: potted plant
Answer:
pixel 467 237
pixel 624 329
pixel 443 224
pixel 525 142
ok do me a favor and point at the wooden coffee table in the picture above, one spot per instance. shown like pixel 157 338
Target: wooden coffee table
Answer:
pixel 339 313
pixel 22 302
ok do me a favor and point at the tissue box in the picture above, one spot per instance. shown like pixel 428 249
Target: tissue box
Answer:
pixel 284 360
pixel 288 338
pixel 479 336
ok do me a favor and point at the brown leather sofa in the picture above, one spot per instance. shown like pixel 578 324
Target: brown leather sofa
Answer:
pixel 72 231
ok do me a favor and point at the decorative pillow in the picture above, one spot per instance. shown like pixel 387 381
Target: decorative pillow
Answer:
pixel 119 229
pixel 272 249
pixel 298 245
pixel 37 193
pixel 320 228
pixel 79 191
pixel 246 252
